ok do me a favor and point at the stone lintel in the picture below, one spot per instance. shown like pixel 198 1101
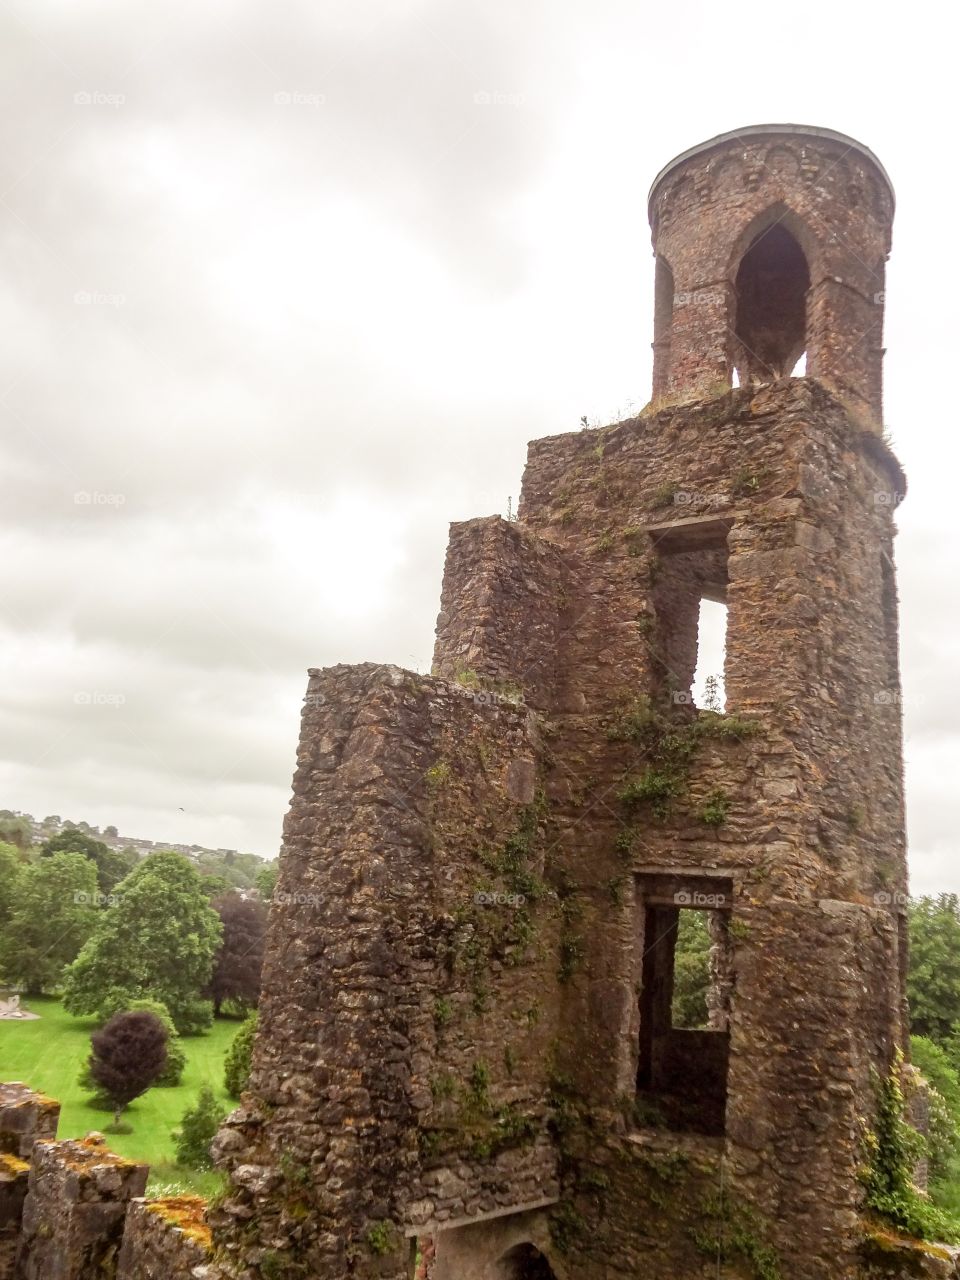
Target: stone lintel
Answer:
pixel 433 1228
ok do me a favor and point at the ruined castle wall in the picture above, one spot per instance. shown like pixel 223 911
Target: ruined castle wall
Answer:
pixel 165 1238
pixel 75 1209
pixel 69 1210
pixel 791 484
pixel 399 1075
pixel 500 610
pixel 431 1055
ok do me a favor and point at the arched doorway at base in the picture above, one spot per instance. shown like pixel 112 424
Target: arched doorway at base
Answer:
pixel 524 1262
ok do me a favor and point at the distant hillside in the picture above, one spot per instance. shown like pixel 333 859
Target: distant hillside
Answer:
pixel 238 869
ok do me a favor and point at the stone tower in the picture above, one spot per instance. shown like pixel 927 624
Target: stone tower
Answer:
pixel 470 1048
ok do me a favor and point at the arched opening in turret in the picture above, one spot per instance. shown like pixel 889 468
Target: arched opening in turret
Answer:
pixel 663 293
pixel 524 1262
pixel 771 289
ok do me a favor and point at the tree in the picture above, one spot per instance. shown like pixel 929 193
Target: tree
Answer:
pixel 691 971
pixel 943 1128
pixel 197 1130
pixel 111 832
pixel 176 1055
pixel 933 980
pixel 128 1056
pixel 236 975
pixel 236 1065
pixel 214 886
pixel 266 880
pixel 52 914
pixel 156 941
pixel 10 867
pixel 16 830
pixel 112 864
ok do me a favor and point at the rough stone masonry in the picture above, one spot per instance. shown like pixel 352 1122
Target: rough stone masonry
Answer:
pixel 467 1029
pixel 470 1063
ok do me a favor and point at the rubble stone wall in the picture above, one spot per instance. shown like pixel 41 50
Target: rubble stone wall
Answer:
pixel 400 1071
pixel 69 1210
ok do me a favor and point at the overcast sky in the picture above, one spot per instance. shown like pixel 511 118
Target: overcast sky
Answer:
pixel 282 294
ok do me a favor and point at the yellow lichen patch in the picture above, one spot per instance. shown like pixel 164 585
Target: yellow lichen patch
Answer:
pixel 11 1164
pixel 83 1154
pixel 892 1241
pixel 187 1214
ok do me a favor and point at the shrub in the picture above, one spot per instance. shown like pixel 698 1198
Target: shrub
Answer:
pixel 197 1130
pixel 236 1066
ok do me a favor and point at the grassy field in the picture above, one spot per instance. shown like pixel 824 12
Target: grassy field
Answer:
pixel 49 1053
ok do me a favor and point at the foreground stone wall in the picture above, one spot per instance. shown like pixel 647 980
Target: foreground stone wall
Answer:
pixel 74 1210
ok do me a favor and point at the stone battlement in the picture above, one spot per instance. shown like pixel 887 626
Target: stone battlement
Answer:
pixel 76 1210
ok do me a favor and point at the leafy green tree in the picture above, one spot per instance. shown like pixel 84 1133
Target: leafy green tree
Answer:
pixel 266 880
pixel 52 914
pixel 691 971
pixel 157 941
pixel 112 864
pixel 933 980
pixel 128 1056
pixel 943 1136
pixel 10 868
pixel 214 886
pixel 197 1130
pixel 16 830
pixel 236 1065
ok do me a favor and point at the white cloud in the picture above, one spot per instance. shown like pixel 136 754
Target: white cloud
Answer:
pixel 340 323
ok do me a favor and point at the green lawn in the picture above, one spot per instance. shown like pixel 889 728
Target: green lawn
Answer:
pixel 49 1053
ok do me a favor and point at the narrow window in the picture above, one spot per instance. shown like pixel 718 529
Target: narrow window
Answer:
pixel 686 991
pixel 663 291
pixel 888 606
pixel 708 682
pixel 689 598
